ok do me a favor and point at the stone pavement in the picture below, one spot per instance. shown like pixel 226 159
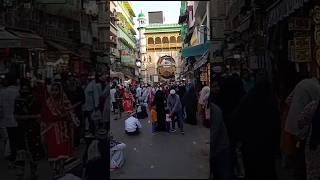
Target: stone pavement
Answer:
pixel 164 155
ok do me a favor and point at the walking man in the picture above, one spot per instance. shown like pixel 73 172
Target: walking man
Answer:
pixel 175 108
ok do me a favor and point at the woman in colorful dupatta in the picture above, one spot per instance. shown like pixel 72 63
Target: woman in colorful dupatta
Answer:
pixel 128 101
pixel 58 120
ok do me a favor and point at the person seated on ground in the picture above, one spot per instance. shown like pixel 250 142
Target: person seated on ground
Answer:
pixel 132 125
pixel 117 157
pixel 97 157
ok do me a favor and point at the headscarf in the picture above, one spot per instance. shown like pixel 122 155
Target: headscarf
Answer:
pixel 204 95
pixel 63 106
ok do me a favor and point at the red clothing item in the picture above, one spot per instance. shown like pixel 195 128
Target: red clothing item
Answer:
pixel 58 132
pixel 128 103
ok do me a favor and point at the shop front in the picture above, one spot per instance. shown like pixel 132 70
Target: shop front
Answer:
pixel 293 43
pixel 202 71
pixel 21 52
pixel 198 65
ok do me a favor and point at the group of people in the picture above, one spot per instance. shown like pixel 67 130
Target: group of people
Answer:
pixel 251 129
pixel 49 118
pixel 168 104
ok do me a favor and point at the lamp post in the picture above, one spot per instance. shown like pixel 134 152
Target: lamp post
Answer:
pixel 138 64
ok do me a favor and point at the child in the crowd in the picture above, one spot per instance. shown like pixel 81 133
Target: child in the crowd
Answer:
pixel 168 121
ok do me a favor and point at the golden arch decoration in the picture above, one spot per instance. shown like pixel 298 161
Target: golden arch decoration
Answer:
pixel 158 40
pixel 173 39
pixel 179 39
pixel 165 40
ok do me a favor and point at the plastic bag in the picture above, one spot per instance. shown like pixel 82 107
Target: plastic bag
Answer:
pixel 168 118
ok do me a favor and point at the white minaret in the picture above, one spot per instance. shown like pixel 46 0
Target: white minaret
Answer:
pixel 141 29
pixel 142 40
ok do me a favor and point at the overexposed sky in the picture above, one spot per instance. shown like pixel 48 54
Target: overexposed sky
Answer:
pixel 171 9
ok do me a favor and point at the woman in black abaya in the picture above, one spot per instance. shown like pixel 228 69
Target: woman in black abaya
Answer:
pixel 160 108
pixel 189 100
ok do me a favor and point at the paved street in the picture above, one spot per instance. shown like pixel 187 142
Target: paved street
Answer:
pixel 164 155
pixel 44 172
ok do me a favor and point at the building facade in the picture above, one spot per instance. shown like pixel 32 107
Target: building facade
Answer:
pixel 63 36
pixel 160 46
pixel 195 20
pixel 126 41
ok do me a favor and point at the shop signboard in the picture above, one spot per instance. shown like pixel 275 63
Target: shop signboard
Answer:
pixel 302 49
pixel 203 76
pixel 299 24
pixel 126 59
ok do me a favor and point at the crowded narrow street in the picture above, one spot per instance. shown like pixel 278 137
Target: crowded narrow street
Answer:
pixel 163 155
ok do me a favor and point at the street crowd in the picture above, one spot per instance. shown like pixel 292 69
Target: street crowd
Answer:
pixel 252 129
pixel 49 119
pixel 168 104
pixel 163 104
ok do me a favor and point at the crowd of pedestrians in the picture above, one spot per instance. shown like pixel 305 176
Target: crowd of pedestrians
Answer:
pixel 48 119
pixel 168 103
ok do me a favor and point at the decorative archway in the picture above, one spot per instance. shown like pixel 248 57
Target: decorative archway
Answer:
pixel 173 39
pixel 166 67
pixel 165 40
pixel 150 40
pixel 158 40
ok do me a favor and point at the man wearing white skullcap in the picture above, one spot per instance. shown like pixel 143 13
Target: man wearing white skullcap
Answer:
pixel 175 108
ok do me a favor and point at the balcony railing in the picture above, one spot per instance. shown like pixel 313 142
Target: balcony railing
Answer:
pixel 166 45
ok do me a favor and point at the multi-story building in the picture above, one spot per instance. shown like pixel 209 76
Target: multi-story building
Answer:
pixel 160 46
pixel 196 16
pixel 126 43
pixel 71 35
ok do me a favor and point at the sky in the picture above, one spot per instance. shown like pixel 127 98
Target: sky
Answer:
pixel 171 9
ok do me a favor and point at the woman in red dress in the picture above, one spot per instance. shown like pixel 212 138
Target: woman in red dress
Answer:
pixel 58 121
pixel 128 101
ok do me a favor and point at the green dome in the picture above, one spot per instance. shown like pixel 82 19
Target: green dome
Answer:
pixel 141 14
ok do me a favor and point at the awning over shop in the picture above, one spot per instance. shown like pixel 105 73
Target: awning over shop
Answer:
pixel 28 39
pixel 282 9
pixel 203 60
pixel 196 50
pixel 8 40
pixel 114 74
pixel 19 39
pixel 62 49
